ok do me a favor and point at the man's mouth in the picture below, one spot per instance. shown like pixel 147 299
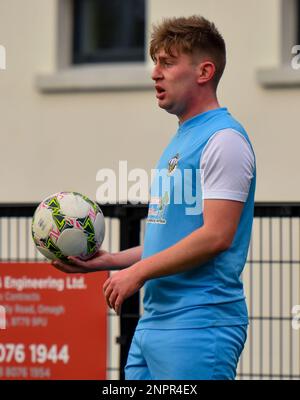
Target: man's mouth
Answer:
pixel 160 92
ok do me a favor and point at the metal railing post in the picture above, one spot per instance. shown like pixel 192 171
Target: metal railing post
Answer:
pixel 130 225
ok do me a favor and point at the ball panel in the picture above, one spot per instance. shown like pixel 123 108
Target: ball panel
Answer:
pixel 52 247
pixel 74 206
pixel 72 242
pixel 46 253
pixel 52 202
pixel 42 223
pixel 99 226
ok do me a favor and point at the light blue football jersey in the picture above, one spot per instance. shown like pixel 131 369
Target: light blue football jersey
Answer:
pixel 211 294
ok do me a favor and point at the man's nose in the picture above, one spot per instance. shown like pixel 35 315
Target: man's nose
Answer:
pixel 156 73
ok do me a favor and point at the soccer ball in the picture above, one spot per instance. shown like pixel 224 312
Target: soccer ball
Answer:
pixel 68 224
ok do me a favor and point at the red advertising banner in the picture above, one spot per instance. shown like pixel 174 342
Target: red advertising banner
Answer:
pixel 53 325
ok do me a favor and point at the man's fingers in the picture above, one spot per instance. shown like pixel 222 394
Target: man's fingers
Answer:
pixel 107 293
pixel 57 267
pixel 107 296
pixel 112 299
pixel 78 262
pixel 118 305
pixel 65 267
pixel 90 265
pixel 106 284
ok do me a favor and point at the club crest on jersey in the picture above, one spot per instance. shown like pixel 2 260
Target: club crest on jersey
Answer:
pixel 173 164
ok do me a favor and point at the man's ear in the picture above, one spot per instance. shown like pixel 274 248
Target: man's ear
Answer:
pixel 206 71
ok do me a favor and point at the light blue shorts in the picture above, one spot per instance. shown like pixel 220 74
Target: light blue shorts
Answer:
pixel 204 353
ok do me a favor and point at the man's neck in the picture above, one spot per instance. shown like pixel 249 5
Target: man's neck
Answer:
pixel 210 103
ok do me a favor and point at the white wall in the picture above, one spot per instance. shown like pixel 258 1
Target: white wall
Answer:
pixel 52 142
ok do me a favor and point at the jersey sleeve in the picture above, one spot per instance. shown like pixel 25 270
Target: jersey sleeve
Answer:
pixel 227 164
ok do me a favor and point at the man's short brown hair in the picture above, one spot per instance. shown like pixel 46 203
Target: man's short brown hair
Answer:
pixel 192 35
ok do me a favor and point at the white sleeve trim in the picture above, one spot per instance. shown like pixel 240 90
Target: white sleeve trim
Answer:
pixel 226 195
pixel 227 164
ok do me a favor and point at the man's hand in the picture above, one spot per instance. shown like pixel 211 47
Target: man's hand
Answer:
pixel 101 261
pixel 121 285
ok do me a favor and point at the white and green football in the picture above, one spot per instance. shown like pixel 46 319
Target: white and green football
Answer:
pixel 68 224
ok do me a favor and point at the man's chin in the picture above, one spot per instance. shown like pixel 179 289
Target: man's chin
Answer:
pixel 164 105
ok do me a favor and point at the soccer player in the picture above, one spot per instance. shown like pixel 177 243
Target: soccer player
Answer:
pixel 194 324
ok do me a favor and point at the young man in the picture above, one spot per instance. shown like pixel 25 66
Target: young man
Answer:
pixel 195 317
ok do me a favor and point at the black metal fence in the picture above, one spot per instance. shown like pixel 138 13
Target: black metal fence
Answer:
pixel 272 285
pixel 271 278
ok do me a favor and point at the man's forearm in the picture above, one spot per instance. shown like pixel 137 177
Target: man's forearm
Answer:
pixel 128 257
pixel 197 248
